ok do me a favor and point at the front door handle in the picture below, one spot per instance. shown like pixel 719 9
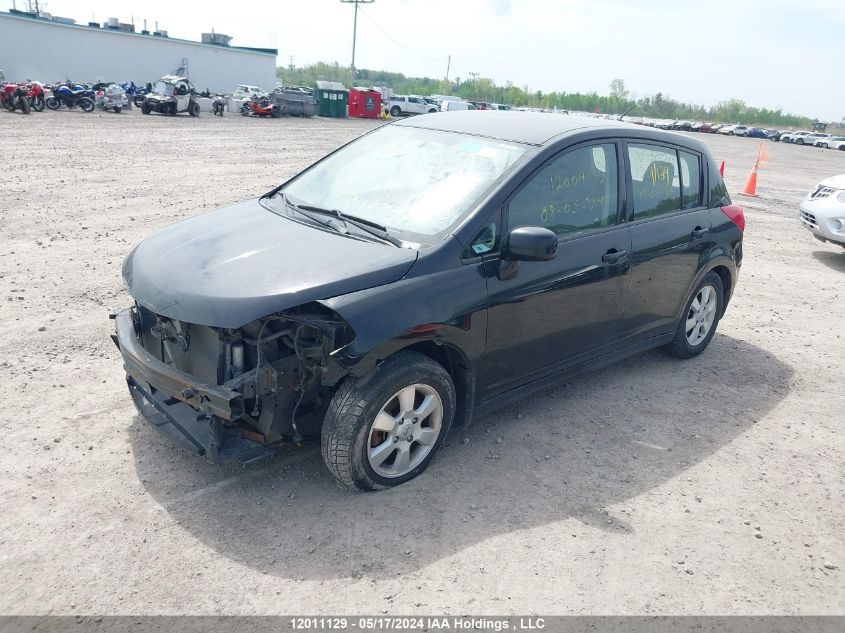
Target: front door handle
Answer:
pixel 699 232
pixel 613 256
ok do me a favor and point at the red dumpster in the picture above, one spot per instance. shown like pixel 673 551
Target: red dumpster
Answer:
pixel 364 103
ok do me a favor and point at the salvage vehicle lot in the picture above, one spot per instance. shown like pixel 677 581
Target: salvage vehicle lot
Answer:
pixel 653 486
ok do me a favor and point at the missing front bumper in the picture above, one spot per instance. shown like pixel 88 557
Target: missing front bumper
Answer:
pixel 193 413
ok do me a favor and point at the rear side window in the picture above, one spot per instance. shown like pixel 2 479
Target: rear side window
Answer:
pixel 690 179
pixel 655 180
pixel 576 191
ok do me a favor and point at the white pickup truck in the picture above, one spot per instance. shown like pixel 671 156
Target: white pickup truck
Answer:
pixel 400 105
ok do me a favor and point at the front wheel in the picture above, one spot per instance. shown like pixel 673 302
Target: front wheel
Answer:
pixel 194 109
pixel 24 104
pixel 699 320
pixel 38 104
pixel 118 109
pixel 800 141
pixel 86 104
pixel 145 108
pixel 138 100
pixel 385 429
pixel 395 111
pixel 52 103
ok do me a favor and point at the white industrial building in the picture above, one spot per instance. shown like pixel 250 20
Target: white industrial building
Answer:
pixel 50 49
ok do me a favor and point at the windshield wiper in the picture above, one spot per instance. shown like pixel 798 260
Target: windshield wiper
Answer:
pixel 327 223
pixel 368 226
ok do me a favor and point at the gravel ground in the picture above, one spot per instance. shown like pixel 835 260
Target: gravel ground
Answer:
pixel 711 486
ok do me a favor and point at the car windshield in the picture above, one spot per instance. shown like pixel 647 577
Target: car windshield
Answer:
pixel 418 181
pixel 163 88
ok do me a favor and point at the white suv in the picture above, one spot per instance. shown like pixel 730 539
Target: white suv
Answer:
pixel 823 210
pixel 791 137
pixel 400 105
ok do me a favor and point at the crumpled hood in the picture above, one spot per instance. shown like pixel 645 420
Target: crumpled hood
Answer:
pixel 234 265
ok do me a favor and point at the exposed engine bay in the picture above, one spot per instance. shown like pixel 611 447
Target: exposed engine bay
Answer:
pixel 275 370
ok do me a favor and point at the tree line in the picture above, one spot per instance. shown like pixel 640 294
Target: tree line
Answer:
pixel 477 88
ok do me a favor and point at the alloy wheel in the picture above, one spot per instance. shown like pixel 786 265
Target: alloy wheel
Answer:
pixel 405 431
pixel 701 315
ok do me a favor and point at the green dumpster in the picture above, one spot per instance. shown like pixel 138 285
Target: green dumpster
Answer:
pixel 332 99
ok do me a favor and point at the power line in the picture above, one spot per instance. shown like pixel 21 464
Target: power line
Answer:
pixel 404 48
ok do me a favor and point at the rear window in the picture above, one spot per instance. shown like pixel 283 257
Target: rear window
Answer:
pixel 655 179
pixel 690 179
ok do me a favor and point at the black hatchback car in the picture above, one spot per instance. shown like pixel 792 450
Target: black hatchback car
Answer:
pixel 426 273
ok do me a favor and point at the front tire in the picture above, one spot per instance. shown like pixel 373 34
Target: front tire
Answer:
pixel 145 108
pixel 700 318
pixel 52 103
pixel 38 104
pixel 24 103
pixel 384 429
pixel 118 109
pixel 86 104
pixel 194 109
pixel 800 141
pixel 395 111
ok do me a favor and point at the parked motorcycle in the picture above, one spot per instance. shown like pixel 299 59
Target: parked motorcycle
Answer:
pixel 71 95
pixel 261 106
pixel 140 94
pixel 218 105
pixel 111 97
pixel 13 96
pixel 36 96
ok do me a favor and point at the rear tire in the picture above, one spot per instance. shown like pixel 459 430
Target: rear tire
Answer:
pixel 38 104
pixel 395 111
pixel 194 109
pixel 24 103
pixel 800 141
pixel 700 318
pixel 356 438
pixel 118 109
pixel 52 103
pixel 145 108
pixel 139 100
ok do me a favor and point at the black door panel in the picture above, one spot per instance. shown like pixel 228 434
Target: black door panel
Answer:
pixel 667 254
pixel 554 313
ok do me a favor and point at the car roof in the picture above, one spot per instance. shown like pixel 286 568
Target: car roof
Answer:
pixel 532 128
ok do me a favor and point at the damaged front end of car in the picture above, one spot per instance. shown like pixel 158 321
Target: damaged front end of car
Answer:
pixel 232 393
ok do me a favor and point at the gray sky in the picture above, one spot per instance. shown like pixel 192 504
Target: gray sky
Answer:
pixel 772 53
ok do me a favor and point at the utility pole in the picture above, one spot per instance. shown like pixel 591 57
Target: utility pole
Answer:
pixel 355 28
pixel 448 66
pixel 292 57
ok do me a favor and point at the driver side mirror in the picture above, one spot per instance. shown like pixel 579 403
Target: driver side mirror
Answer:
pixel 526 244
pixel 530 244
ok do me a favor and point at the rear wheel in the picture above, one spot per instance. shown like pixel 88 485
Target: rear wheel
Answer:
pixel 699 320
pixel 395 111
pixel 10 104
pixel 800 141
pixel 139 100
pixel 385 429
pixel 38 103
pixel 145 108
pixel 24 104
pixel 118 109
pixel 194 109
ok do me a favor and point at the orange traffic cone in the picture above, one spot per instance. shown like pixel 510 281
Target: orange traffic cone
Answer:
pixel 722 169
pixel 751 184
pixel 762 156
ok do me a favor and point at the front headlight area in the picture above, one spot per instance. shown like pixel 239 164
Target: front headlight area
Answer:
pixel 277 363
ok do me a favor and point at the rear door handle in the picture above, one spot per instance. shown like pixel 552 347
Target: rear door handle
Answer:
pixel 612 257
pixel 699 232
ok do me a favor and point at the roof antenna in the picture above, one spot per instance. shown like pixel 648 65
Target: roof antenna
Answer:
pixel 633 105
